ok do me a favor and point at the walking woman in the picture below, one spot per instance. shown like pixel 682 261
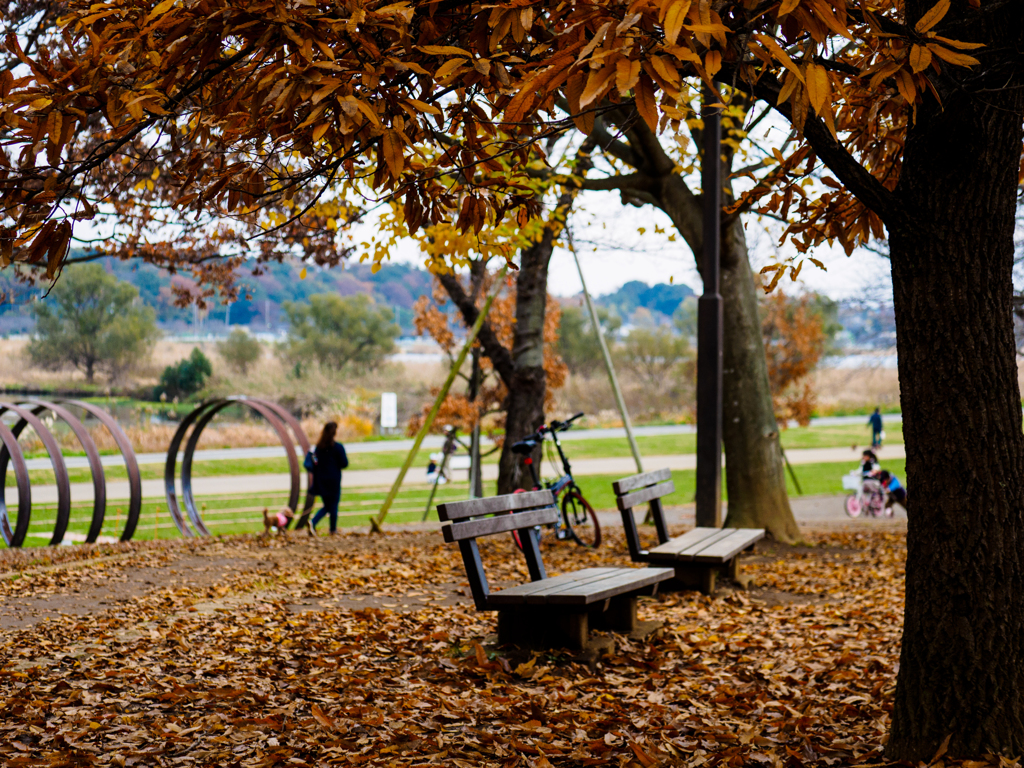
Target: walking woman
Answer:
pixel 329 459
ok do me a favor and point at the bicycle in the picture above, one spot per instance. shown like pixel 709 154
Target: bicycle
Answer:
pixel 577 519
pixel 869 497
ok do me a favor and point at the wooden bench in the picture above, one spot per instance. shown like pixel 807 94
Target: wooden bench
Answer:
pixel 697 555
pixel 546 612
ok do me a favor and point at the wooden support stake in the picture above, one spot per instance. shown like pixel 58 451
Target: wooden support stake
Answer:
pixel 375 522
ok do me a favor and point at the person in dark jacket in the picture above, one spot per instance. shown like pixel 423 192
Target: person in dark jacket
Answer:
pixel 875 421
pixel 329 459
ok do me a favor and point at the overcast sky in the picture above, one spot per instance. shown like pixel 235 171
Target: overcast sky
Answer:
pixel 613 251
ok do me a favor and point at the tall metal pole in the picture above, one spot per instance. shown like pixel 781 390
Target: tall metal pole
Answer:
pixel 709 328
pixel 633 447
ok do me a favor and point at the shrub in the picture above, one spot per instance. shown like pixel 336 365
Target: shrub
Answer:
pixel 240 350
pixel 186 377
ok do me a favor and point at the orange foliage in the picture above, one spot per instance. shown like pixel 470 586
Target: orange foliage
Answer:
pixel 457 409
pixel 794 337
pixel 248 111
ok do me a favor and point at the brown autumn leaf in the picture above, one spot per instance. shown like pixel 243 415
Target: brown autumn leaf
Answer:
pixel 314 666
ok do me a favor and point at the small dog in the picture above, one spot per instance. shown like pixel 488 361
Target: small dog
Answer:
pixel 279 521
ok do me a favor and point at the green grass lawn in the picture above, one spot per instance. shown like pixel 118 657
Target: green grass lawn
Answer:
pixel 660 445
pixel 243 513
pixel 239 513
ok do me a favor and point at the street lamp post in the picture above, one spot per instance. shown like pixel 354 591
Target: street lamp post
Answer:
pixel 709 327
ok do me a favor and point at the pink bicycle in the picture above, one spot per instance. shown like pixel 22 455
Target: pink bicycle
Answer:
pixel 869 497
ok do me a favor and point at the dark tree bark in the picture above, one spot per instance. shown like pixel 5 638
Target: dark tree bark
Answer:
pixel 528 387
pixel 962 661
pixel 950 222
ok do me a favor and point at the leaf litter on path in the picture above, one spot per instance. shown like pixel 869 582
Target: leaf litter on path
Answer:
pixel 255 666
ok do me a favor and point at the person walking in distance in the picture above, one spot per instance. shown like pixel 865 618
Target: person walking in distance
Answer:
pixel 329 459
pixel 877 434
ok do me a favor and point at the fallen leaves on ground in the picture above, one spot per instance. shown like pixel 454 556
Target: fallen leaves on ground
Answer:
pixel 256 668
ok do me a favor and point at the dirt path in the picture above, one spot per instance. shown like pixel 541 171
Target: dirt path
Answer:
pixel 349 571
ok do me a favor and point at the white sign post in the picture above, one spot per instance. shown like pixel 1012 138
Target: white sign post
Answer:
pixel 388 411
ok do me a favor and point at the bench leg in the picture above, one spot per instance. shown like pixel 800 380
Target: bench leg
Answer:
pixel 543 628
pixel 620 616
pixel 744 581
pixel 700 577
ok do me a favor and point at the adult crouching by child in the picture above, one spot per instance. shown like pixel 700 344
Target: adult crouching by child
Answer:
pixel 329 459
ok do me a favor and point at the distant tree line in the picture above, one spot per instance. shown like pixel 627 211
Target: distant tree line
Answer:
pixel 98 324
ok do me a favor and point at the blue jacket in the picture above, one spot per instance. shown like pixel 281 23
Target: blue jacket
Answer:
pixel 876 422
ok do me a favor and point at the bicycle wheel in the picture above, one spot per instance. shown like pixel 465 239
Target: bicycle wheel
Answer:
pixel 581 520
pixel 853 505
pixel 876 505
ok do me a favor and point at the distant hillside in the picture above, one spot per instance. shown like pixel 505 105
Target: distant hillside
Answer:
pixel 661 300
pixel 395 285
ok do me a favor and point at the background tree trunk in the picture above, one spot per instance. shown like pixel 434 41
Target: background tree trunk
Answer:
pixel 755 479
pixel 755 472
pixel 528 387
pixel 962 661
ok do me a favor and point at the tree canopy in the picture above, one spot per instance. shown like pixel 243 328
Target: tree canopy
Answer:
pixel 909 112
pixel 92 321
pixel 234 110
pixel 240 350
pixel 338 332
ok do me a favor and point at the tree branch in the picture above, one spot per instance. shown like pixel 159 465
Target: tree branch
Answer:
pixel 635 181
pixel 500 357
pixel 844 165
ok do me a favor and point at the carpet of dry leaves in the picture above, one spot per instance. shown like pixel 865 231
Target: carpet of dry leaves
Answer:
pixel 366 650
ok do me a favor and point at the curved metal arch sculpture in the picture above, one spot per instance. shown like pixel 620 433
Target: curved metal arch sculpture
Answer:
pixel 124 445
pixel 304 444
pixel 28 412
pixel 60 470
pixel 99 480
pixel 275 415
pixel 11 451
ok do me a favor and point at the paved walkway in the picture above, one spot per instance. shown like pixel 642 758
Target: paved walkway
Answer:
pixel 382 478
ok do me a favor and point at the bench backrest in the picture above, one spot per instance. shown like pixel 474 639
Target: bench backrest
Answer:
pixel 471 519
pixel 637 489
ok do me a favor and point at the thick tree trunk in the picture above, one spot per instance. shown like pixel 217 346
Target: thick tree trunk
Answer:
pixel 755 472
pixel 528 387
pixel 962 661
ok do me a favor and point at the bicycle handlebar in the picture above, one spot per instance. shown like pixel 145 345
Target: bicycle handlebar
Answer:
pixel 561 426
pixel 528 443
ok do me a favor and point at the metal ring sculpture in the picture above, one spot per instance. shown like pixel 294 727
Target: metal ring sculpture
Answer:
pixel 280 421
pixel 124 445
pixel 60 470
pixel 28 414
pixel 11 449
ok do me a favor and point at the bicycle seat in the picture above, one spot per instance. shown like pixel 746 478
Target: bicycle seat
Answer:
pixel 525 447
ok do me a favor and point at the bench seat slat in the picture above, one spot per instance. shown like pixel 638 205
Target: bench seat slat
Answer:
pixel 700 546
pixel 687 540
pixel 727 548
pixel 627 484
pixel 469 529
pixel 624 582
pixel 574 585
pixel 636 498
pixel 460 510
pixel 517 595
